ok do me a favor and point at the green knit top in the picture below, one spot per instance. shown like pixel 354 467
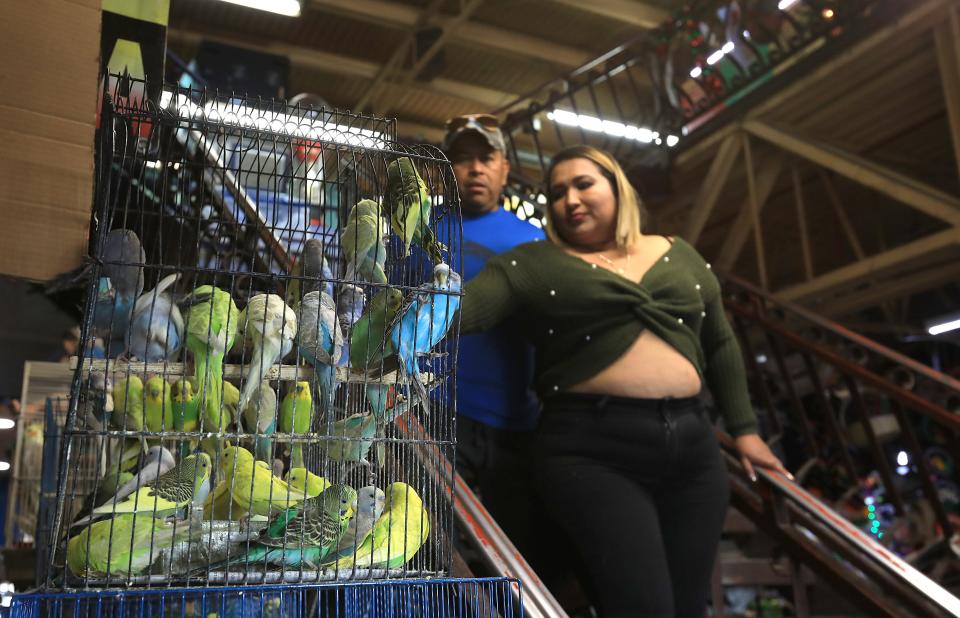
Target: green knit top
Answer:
pixel 581 318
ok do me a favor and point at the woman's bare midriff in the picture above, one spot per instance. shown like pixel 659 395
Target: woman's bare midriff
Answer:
pixel 649 369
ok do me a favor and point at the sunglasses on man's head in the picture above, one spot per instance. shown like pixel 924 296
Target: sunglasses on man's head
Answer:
pixel 485 120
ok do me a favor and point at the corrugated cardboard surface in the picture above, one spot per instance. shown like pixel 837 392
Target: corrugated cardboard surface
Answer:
pixel 48 97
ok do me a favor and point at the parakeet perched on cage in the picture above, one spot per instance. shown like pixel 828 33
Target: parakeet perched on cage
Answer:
pixel 362 243
pixel 306 481
pixel 370 503
pixel 396 536
pixel 159 412
pixel 311 273
pixel 260 417
pixel 171 491
pixel 128 412
pixel 128 415
pixel 369 339
pixel 186 404
pixel 305 534
pixel 296 417
pixel 156 327
pixel 120 284
pixel 122 546
pixel 212 322
pixel 407 202
pixel 349 439
pixel 108 486
pixel 425 322
pixel 155 463
pixel 253 486
pixel 321 342
pixel 271 326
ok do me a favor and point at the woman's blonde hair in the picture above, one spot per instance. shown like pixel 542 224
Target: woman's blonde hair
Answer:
pixel 629 206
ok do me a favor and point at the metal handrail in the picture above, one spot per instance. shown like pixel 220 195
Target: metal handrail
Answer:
pixel 781 501
pixel 845 333
pixel 482 530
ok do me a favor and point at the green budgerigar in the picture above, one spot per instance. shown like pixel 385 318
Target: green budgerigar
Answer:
pixel 399 532
pixel 350 439
pixel 252 484
pixel 128 415
pixel 362 243
pixel 123 546
pixel 128 408
pixel 369 342
pixel 212 321
pixel 303 535
pixel 171 491
pixel 158 409
pixel 306 481
pixel 296 416
pixel 407 202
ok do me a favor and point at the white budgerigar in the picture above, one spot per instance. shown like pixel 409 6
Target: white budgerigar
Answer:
pixel 271 326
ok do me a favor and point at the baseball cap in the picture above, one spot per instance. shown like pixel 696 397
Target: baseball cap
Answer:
pixel 485 124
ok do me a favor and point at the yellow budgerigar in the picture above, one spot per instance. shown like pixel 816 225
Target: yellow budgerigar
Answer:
pixel 254 487
pixel 303 480
pixel 399 532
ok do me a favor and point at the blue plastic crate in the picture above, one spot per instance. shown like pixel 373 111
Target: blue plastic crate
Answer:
pixel 474 598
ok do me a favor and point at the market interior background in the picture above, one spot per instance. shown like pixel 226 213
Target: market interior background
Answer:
pixel 810 150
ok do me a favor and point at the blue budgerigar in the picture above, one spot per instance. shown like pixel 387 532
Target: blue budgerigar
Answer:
pixel 156 328
pixel 425 322
pixel 119 286
pixel 321 341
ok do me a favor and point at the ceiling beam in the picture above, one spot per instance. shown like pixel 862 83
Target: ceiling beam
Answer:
pixel 474 34
pixel 904 189
pixel 626 11
pixel 339 64
pixel 737 234
pixel 711 188
pixel 876 265
pixel 907 285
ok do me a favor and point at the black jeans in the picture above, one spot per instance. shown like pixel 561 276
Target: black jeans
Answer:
pixel 640 488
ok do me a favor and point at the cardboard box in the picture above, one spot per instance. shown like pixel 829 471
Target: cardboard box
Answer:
pixel 48 98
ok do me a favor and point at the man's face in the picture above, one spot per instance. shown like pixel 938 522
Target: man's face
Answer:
pixel 481 173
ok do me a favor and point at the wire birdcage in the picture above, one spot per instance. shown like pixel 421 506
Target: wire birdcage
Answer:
pixel 436 598
pixel 272 285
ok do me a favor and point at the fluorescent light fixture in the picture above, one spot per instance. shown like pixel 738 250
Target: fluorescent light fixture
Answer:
pixel 727 47
pixel 7 423
pixel 290 8
pixel 715 57
pixel 696 72
pixel 783 5
pixel 241 115
pixel 4 466
pixel 944 327
pixel 672 140
pixel 609 127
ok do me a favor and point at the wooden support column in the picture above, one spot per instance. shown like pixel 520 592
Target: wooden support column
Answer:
pixel 947 38
pixel 755 212
pixel 711 188
pixel 738 233
pixel 802 222
pixel 902 188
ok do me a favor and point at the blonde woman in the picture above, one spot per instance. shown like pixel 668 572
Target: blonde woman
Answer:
pixel 628 329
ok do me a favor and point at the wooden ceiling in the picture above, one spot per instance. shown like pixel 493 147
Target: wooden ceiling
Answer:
pixel 357 54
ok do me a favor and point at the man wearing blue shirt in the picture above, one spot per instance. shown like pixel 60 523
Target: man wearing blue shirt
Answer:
pixel 496 408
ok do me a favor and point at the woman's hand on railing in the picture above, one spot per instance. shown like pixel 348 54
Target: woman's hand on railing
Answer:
pixel 755 452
